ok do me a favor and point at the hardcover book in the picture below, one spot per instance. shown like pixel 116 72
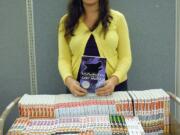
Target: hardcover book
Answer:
pixel 92 72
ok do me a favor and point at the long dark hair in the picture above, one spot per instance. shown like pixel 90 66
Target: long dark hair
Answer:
pixel 76 9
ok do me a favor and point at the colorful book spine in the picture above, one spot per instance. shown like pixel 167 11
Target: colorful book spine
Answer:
pixel 152 107
pixel 97 125
pixel 19 126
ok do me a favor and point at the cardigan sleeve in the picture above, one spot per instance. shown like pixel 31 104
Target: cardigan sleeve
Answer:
pixel 64 53
pixel 124 49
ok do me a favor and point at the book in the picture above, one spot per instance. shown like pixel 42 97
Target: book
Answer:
pixel 92 72
pixel 152 107
pixel 78 125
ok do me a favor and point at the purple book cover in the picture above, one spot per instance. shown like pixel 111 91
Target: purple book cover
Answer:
pixel 92 72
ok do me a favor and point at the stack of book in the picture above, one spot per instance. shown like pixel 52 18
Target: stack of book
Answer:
pixel 123 103
pixel 50 106
pixel 117 103
pixel 134 126
pixel 96 124
pixel 152 107
pixel 37 106
pixel 19 125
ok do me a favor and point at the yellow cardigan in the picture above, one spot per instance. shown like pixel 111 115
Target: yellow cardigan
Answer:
pixel 115 47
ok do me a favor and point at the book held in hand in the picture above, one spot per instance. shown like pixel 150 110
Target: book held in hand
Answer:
pixel 92 72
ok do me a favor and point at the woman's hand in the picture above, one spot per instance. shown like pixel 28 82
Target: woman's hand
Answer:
pixel 108 88
pixel 74 87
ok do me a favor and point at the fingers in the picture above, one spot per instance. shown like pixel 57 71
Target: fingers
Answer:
pixel 105 91
pixel 75 88
pixel 81 89
pixel 78 91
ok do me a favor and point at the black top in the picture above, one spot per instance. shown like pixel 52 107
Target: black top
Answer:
pixel 92 50
pixel 91 47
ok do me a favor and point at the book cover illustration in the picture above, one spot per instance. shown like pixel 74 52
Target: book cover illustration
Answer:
pixel 92 72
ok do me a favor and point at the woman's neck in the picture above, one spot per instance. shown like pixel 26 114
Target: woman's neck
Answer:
pixel 91 14
pixel 91 9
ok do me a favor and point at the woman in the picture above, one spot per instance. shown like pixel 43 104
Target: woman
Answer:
pixel 91 28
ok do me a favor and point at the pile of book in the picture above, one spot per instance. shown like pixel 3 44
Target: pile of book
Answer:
pixel 68 105
pixel 50 106
pixel 152 107
pixel 18 126
pixel 97 125
pixel 121 125
pixel 37 106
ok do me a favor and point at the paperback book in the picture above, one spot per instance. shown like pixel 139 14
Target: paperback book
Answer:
pixel 92 72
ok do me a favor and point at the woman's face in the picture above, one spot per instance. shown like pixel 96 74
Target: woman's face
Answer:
pixel 90 2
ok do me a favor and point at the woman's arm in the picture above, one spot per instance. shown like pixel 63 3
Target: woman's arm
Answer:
pixel 64 53
pixel 124 49
pixel 124 58
pixel 64 63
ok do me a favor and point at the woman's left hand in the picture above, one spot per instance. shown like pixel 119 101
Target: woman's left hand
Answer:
pixel 108 88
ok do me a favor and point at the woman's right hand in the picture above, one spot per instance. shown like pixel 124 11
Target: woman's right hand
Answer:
pixel 74 87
